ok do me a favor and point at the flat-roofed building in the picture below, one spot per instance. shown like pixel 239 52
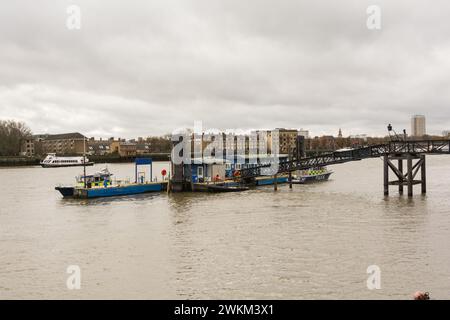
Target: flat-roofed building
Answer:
pixel 27 148
pixel 99 147
pixel 287 140
pixel 143 148
pixel 418 126
pixel 66 143
pixel 258 142
pixel 124 148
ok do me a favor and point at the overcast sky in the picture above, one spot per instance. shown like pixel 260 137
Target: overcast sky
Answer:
pixel 139 68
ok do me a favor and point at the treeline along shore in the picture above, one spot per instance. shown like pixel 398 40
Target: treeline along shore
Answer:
pixel 19 147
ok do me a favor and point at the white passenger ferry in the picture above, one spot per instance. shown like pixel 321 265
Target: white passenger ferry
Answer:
pixel 52 161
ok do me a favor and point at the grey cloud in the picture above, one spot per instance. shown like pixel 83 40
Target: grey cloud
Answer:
pixel 146 67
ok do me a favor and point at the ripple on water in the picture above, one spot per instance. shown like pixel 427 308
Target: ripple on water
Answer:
pixel 309 242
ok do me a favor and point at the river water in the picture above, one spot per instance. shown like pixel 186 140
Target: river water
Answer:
pixel 314 241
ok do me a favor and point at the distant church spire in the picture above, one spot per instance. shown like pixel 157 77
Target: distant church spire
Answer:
pixel 340 133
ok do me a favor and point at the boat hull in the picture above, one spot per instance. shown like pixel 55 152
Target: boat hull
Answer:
pixel 66 191
pixel 312 178
pixel 44 165
pixel 86 193
pixel 218 188
pixel 267 181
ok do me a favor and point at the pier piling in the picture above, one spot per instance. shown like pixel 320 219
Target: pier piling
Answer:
pixel 290 159
pixel 401 177
pixel 414 163
pixel 423 172
pixel 290 180
pixel 410 176
pixel 386 175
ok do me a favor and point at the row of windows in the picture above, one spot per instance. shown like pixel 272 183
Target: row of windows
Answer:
pixel 100 147
pixel 64 161
pixel 239 166
pixel 58 142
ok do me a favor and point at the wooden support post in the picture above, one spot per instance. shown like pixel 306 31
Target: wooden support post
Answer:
pixel 290 172
pixel 423 171
pixel 169 185
pixel 290 179
pixel 410 176
pixel 400 168
pixel 151 172
pixel 386 176
pixel 275 183
pixel 135 173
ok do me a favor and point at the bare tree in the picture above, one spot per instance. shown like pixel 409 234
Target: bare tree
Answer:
pixel 160 144
pixel 12 135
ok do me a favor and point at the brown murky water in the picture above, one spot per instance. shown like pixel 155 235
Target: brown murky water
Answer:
pixel 314 241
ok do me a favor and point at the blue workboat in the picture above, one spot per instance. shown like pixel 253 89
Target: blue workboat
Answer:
pixel 121 190
pixel 101 185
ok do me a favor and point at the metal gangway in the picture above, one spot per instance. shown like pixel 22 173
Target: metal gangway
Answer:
pixel 408 150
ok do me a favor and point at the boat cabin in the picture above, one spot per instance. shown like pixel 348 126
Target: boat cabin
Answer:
pixel 98 179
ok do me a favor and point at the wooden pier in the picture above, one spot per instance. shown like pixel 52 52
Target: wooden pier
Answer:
pixel 409 151
pixel 407 178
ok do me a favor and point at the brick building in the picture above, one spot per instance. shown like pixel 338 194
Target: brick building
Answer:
pixel 64 144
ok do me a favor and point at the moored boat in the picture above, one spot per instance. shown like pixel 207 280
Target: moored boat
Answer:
pixel 312 175
pixel 100 184
pixel 119 190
